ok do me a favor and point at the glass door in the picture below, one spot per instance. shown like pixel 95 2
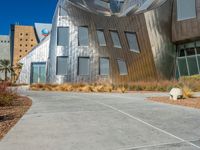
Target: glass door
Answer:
pixel 38 72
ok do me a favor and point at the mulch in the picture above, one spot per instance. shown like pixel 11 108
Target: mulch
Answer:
pixel 189 102
pixel 9 116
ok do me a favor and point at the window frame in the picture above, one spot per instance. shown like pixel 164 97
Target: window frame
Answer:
pixel 84 26
pixel 138 45
pixel 67 45
pixel 178 18
pixel 100 66
pixel 57 65
pixel 119 59
pixel 103 31
pixel 78 72
pixel 115 31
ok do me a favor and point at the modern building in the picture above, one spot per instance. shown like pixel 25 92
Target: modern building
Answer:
pixel 25 38
pixel 34 64
pixel 122 41
pixel 42 30
pixel 4 50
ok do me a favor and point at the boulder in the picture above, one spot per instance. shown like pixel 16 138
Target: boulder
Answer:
pixel 176 93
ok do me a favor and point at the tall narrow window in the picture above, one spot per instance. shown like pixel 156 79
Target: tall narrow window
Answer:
pixel 101 38
pixel 122 67
pixel 62 63
pixel 104 66
pixel 83 66
pixel 132 41
pixel 115 39
pixel 83 38
pixel 63 36
pixel 186 9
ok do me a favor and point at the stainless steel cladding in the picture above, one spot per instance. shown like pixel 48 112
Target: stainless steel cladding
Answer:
pixel 136 46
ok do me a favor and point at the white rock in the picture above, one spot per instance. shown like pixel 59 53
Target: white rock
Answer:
pixel 176 93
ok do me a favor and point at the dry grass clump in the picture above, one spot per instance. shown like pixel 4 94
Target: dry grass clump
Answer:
pixel 76 87
pixel 161 86
pixel 192 82
pixel 7 96
pixel 188 84
pixel 187 92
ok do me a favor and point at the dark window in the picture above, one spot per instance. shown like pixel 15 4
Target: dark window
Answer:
pixel 83 66
pixel 132 41
pixel 63 36
pixel 101 38
pixel 104 66
pixel 198 50
pixel 115 39
pixel 83 37
pixel 62 63
pixel 182 53
pixel 190 51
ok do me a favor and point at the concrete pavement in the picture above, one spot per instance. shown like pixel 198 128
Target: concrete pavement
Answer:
pixel 94 121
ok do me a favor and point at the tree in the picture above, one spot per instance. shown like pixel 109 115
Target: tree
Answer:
pixel 5 67
pixel 16 71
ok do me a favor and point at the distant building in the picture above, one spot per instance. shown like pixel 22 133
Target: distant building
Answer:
pixel 4 50
pixel 25 38
pixel 42 30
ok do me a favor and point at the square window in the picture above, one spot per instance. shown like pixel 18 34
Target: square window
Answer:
pixel 62 63
pixel 186 9
pixel 115 39
pixel 122 67
pixel 101 37
pixel 63 36
pixel 132 41
pixel 83 66
pixel 83 37
pixel 104 66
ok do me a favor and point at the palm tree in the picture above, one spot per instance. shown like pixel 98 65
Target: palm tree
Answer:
pixel 16 70
pixel 5 67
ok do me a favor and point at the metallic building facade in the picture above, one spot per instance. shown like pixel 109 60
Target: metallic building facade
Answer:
pixel 154 60
pixel 38 55
pixel 122 41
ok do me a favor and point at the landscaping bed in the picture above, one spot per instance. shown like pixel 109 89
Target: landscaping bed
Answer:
pixel 12 107
pixel 188 102
pixel 10 115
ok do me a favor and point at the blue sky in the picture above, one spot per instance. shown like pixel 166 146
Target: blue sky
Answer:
pixel 26 12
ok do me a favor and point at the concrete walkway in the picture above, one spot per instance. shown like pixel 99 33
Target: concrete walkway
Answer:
pixel 75 121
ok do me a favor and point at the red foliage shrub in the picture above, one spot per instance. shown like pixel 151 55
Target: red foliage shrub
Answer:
pixel 7 95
